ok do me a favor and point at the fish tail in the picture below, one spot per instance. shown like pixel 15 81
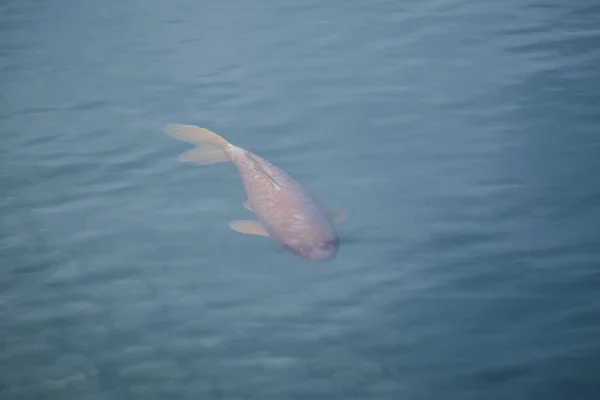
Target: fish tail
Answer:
pixel 210 147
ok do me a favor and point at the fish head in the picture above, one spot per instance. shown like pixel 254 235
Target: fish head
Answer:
pixel 313 239
pixel 317 249
pixel 324 250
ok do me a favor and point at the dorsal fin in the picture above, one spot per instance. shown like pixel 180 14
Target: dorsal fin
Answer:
pixel 261 169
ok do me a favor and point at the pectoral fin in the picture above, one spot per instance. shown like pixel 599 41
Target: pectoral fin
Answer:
pixel 248 227
pixel 339 215
pixel 246 205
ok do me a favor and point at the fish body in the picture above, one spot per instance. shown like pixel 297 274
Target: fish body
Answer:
pixel 285 210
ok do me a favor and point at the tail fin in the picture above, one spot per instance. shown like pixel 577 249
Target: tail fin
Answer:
pixel 210 146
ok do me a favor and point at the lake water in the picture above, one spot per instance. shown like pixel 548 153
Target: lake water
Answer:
pixel 462 136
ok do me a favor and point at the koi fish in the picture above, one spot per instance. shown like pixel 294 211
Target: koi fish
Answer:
pixel 285 210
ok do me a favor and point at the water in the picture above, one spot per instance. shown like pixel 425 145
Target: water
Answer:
pixel 462 136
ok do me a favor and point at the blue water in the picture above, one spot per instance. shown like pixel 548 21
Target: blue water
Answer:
pixel 462 136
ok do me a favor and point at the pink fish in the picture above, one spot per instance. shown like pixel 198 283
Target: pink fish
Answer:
pixel 285 210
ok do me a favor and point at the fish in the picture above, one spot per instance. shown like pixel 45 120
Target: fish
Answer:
pixel 285 210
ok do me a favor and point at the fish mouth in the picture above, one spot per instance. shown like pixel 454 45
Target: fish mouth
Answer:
pixel 325 251
pixel 322 252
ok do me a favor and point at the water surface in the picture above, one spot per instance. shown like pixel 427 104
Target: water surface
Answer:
pixel 462 136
